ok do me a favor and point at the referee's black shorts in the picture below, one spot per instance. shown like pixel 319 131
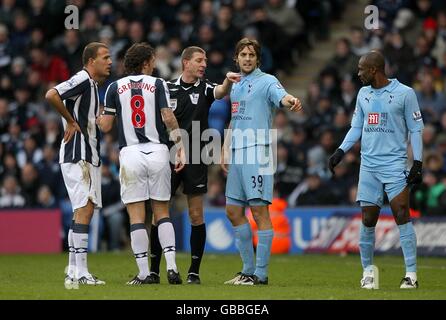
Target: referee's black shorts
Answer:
pixel 194 178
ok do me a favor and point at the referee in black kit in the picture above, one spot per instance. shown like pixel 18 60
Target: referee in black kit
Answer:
pixel 191 98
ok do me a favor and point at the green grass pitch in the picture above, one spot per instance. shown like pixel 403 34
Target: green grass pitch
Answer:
pixel 290 277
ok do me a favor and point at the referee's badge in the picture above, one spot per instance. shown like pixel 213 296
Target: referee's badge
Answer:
pixel 173 103
pixel 194 97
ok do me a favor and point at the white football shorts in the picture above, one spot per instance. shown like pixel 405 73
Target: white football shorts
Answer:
pixel 144 172
pixel 83 183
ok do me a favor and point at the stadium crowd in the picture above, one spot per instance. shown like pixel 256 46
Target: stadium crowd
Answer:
pixel 36 53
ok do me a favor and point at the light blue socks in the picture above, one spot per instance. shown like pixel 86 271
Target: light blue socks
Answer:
pixel 243 242
pixel 408 240
pixel 265 239
pixel 366 246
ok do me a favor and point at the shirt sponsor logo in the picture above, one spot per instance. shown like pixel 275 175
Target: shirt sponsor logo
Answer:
pixel 234 107
pixel 417 115
pixel 373 118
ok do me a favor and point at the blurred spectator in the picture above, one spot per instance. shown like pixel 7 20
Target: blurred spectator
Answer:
pixel 51 68
pixel 290 21
pixel 22 109
pixel 226 33
pixel 157 34
pixel 432 103
pixel 289 172
pixel 185 28
pixel 5 49
pixel 45 198
pixel 240 14
pixel 429 134
pixel 282 124
pixel 341 183
pixel 30 183
pixel 400 57
pixel 13 140
pixel 10 166
pixel 20 33
pixel 4 116
pixel 140 10
pixel 439 48
pixel 70 48
pixel 348 94
pixel 30 153
pixel 136 32
pixel 359 45
pixel 344 61
pixel 49 172
pixel 10 195
pixel 90 25
pixel 206 15
pixel 318 155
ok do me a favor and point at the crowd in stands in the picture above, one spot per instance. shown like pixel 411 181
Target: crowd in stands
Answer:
pixel 37 52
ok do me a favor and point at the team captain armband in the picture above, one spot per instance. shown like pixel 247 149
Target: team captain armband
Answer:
pixel 109 111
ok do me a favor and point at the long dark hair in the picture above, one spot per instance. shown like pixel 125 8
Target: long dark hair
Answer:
pixel 135 57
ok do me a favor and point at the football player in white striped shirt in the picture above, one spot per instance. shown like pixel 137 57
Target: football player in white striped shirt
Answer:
pixel 78 103
pixel 140 103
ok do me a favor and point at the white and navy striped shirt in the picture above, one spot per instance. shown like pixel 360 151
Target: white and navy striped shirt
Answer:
pixel 137 101
pixel 80 96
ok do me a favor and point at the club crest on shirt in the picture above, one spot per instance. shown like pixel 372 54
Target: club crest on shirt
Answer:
pixel 173 103
pixel 417 116
pixel 194 97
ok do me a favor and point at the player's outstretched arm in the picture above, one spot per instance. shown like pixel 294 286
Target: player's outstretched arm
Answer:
pixel 291 103
pixel 175 135
pixel 53 98
pixel 224 88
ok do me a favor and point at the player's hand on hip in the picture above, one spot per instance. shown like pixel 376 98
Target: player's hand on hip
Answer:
pixel 296 105
pixel 71 129
pixel 180 159
pixel 233 77
pixel 335 158
pixel 415 176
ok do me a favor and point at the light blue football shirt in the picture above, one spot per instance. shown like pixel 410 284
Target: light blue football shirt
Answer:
pixel 386 116
pixel 253 101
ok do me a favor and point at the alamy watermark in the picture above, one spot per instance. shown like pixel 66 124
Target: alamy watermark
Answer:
pixel 371 22
pixel 72 20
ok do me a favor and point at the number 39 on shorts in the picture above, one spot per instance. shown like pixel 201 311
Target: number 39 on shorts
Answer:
pixel 257 181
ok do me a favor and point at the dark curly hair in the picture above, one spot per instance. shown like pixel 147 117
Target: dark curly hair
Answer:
pixel 135 57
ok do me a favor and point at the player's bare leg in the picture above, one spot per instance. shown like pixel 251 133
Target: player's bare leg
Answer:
pixel 197 236
pixel 370 275
pixel 80 242
pixel 166 235
pixel 408 239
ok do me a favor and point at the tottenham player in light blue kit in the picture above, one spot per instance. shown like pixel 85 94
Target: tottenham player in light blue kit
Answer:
pixel 386 116
pixel 253 101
